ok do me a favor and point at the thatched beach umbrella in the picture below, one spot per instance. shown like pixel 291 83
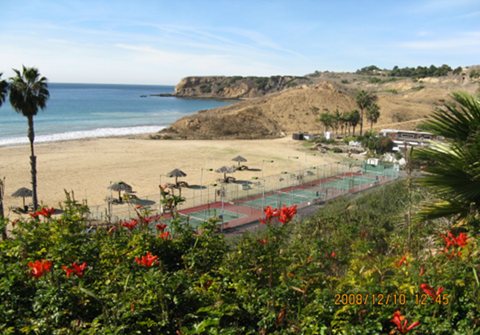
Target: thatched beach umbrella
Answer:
pixel 177 173
pixel 22 193
pixel 225 170
pixel 120 186
pixel 239 159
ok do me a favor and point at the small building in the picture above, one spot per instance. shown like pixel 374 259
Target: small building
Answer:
pixel 398 134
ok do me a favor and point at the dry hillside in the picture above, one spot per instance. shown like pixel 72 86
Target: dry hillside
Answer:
pixel 403 104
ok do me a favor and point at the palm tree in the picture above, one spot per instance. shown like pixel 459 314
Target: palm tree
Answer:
pixel 326 120
pixel 354 119
pixel 336 121
pixel 28 93
pixel 373 113
pixel 3 94
pixel 346 119
pixel 455 175
pixel 3 90
pixel 364 99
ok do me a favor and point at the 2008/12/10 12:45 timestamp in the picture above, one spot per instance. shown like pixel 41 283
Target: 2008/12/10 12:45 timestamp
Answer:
pixel 388 299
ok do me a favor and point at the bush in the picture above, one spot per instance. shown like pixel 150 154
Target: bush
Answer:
pixel 205 88
pixel 337 150
pixel 344 81
pixel 391 91
pixel 418 88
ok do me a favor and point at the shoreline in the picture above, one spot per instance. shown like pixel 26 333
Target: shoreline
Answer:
pixel 87 166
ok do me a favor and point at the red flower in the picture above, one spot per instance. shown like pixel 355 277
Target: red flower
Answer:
pixel 332 255
pixel 164 236
pixel 270 214
pixel 398 318
pixel 460 240
pixel 14 222
pixel 130 225
pixel 146 260
pixel 160 227
pixel 262 242
pixel 452 254
pixel 146 220
pixel 47 212
pixel 286 214
pixel 77 270
pixel 279 318
pixel 421 271
pixel 39 268
pixel 430 291
pixel 404 259
pixel 34 215
pixel 138 207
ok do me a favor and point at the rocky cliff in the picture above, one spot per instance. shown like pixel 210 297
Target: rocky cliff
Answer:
pixel 238 87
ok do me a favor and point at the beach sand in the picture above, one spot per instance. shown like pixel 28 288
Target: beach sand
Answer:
pixel 88 166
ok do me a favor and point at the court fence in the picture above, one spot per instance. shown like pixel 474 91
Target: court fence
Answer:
pixel 244 200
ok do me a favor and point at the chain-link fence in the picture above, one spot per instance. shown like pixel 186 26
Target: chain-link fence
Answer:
pixel 243 199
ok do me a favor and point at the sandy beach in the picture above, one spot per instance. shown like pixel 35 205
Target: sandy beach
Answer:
pixel 89 166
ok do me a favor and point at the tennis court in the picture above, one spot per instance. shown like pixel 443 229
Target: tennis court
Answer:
pixel 196 218
pixel 349 182
pixel 277 199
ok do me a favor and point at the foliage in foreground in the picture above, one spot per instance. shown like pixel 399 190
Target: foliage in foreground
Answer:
pixel 350 269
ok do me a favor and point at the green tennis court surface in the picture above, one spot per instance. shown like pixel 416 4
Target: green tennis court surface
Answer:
pixel 195 218
pixel 278 199
pixel 349 182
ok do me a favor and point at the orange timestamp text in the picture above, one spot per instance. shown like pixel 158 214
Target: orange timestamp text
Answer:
pixel 389 299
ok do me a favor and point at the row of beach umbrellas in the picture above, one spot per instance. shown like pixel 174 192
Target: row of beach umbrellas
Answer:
pixel 124 187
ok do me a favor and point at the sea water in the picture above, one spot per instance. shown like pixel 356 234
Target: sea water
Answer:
pixel 77 111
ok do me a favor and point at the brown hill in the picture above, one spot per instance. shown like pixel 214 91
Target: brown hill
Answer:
pixel 403 104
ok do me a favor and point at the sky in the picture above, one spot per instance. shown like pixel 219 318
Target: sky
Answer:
pixel 160 42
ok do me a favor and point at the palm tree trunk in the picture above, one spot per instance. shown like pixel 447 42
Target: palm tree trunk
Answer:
pixel 371 126
pixel 361 122
pixel 353 130
pixel 2 187
pixel 33 161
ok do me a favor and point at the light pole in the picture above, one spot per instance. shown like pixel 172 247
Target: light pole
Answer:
pixel 263 192
pixel 201 176
pixel 288 160
pixel 265 160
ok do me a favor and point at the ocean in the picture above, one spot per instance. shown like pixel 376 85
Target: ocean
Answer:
pixel 77 111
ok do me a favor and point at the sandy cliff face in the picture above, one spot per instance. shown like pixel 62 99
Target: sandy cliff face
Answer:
pixel 269 116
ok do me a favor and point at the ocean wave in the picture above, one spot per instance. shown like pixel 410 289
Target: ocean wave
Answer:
pixel 75 135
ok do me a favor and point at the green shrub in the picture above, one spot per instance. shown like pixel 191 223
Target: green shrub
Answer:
pixel 344 81
pixel 418 88
pixel 205 88
pixel 336 150
pixel 391 91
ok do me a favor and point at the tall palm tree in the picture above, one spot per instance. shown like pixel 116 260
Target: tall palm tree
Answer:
pixel 354 119
pixel 3 89
pixel 364 99
pixel 28 93
pixel 346 119
pixel 326 120
pixel 336 120
pixel 455 175
pixel 373 113
pixel 3 94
